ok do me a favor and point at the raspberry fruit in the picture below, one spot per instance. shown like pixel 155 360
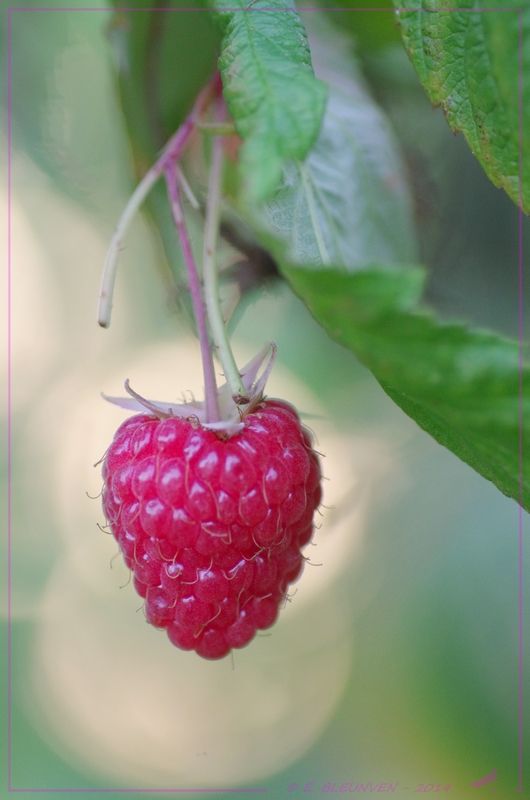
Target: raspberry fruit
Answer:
pixel 212 528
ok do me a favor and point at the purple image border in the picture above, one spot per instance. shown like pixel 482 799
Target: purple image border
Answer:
pixel 518 9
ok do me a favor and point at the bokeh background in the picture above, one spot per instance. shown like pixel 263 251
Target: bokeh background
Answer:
pixel 396 660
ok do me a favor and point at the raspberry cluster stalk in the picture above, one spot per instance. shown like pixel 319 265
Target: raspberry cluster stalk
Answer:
pixel 211 502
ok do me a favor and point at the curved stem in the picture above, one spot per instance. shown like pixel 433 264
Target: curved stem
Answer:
pixel 211 285
pixel 171 153
pixel 108 278
pixel 210 386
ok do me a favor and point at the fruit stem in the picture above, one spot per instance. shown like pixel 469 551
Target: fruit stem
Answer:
pixel 199 311
pixel 211 284
pixel 172 153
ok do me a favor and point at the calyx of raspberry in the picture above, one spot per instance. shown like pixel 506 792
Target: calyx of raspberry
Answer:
pixel 233 410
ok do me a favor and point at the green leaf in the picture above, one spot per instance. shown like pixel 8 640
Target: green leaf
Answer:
pixel 272 94
pixel 460 385
pixel 348 203
pixel 467 58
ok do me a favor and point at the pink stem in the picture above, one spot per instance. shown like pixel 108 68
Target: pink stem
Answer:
pixel 174 148
pixel 199 310
pixel 171 154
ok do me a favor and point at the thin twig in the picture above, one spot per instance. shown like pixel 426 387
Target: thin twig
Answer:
pixel 172 152
pixel 211 283
pixel 199 311
pixel 188 191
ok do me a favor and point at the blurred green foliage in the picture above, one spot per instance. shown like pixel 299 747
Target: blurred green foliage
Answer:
pixel 372 30
pixel 432 593
pixel 485 96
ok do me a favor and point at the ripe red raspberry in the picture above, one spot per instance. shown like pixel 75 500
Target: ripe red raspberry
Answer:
pixel 212 528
